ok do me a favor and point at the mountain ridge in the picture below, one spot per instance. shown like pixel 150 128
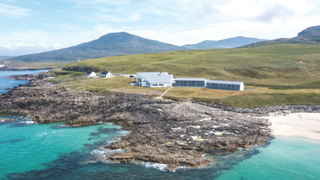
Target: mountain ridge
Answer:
pixel 224 43
pixel 123 43
pixel 310 35
pixel 111 44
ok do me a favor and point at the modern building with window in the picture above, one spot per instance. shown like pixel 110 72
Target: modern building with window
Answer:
pixel 154 79
pixel 163 79
pixel 190 82
pixel 225 85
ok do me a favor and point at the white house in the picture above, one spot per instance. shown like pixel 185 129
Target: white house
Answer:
pixel 106 74
pixel 154 79
pixel 225 85
pixel 91 74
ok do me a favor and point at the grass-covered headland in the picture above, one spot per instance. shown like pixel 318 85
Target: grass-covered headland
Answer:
pixel 273 75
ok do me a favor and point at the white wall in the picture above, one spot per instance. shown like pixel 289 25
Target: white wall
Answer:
pixel 93 74
pixel 241 87
pixel 143 81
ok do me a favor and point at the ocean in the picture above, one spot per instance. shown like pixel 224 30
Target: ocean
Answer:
pixel 54 151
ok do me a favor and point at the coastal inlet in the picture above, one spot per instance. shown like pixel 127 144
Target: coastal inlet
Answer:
pixel 162 131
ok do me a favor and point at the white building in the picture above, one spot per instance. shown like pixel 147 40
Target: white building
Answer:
pixel 91 74
pixel 225 85
pixel 154 79
pixel 106 74
pixel 2 66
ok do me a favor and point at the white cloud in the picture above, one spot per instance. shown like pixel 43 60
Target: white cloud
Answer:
pixel 13 11
pixel 135 17
pixel 25 45
pixel 106 17
pixel 173 21
pixel 57 46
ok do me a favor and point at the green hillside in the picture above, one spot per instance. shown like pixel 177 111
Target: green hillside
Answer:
pixel 281 66
pixel 311 35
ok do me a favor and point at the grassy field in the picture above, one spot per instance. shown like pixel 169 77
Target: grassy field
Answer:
pixel 273 75
pixel 78 81
pixel 277 65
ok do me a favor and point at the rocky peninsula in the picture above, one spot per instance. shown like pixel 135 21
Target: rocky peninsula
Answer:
pixel 162 131
pixel 19 68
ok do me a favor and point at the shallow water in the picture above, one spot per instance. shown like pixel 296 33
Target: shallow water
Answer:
pixel 52 151
pixel 10 83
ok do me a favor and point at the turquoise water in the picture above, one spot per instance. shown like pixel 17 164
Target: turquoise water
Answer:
pixel 52 151
pixel 25 146
pixel 284 158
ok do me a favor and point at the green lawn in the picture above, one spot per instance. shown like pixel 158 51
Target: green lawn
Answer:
pixel 273 75
pixel 277 65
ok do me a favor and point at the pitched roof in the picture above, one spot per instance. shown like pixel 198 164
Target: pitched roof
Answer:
pixel 105 72
pixel 89 72
pixel 156 77
pixel 224 82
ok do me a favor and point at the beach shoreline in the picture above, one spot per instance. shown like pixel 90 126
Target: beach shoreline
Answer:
pixel 306 125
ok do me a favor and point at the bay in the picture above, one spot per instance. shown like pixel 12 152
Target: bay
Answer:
pixel 53 151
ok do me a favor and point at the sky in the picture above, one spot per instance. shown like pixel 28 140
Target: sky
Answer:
pixel 33 26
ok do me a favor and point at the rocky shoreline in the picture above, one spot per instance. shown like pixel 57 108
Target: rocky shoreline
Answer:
pixel 162 131
pixel 19 68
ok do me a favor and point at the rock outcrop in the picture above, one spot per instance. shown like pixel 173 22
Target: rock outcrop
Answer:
pixel 19 68
pixel 162 131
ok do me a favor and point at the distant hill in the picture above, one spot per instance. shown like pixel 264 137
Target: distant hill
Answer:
pixel 310 35
pixel 225 43
pixel 4 56
pixel 111 44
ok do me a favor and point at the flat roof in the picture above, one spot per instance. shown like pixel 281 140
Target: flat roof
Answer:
pixel 223 82
pixel 190 79
pixel 156 77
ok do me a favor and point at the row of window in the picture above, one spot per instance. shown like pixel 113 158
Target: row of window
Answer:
pixel 190 82
pixel 161 85
pixel 223 85
pixel 190 85
pixel 233 89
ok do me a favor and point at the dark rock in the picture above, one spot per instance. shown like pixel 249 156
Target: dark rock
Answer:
pixel 162 131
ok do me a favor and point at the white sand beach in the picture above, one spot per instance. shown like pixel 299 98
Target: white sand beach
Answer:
pixel 296 124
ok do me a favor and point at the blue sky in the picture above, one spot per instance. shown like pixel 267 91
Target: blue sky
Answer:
pixel 31 26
